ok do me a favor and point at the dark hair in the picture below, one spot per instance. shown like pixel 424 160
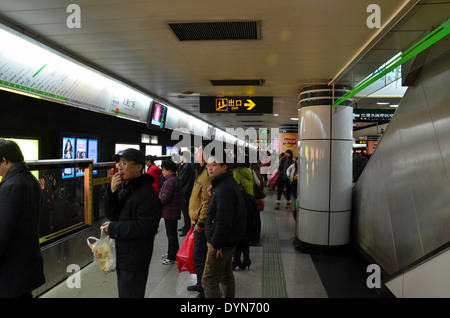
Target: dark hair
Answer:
pixel 10 151
pixel 169 165
pixel 150 158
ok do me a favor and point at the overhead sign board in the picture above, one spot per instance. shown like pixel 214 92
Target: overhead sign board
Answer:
pixel 236 104
pixel 28 67
pixel 372 115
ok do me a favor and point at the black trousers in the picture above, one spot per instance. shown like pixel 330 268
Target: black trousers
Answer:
pixel 284 184
pixel 200 251
pixel 185 210
pixel 131 284
pixel 172 236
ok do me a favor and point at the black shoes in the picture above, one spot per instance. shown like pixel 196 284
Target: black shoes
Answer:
pixel 245 263
pixel 242 265
pixel 183 232
pixel 236 263
pixel 201 294
pixel 192 288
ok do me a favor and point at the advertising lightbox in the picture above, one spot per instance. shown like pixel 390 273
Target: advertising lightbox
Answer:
pixel 30 150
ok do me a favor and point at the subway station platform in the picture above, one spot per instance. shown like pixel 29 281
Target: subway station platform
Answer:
pixel 278 269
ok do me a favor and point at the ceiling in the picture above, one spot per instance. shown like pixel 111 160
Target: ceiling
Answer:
pixel 302 42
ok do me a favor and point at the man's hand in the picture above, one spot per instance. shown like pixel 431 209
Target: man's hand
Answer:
pixel 104 227
pixel 116 181
pixel 198 228
pixel 219 254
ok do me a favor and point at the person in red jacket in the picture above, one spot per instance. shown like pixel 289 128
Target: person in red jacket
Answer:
pixel 153 170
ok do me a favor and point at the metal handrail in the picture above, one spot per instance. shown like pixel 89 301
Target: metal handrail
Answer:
pixel 59 163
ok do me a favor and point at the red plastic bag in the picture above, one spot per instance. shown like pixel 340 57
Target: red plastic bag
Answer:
pixel 273 178
pixel 185 255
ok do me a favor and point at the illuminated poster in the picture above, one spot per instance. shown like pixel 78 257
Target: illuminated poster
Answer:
pixel 289 141
pixel 68 152
pixel 93 151
pixel 81 153
pixel 171 150
pixel 30 150
pixel 121 147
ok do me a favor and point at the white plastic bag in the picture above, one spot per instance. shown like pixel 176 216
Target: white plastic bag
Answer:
pixel 104 252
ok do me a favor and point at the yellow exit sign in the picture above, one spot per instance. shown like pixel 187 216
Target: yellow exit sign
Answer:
pixel 236 104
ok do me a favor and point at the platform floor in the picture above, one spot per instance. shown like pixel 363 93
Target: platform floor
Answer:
pixel 278 269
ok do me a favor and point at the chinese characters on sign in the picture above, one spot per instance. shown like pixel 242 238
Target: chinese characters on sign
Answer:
pixel 368 115
pixel 223 104
pixel 236 104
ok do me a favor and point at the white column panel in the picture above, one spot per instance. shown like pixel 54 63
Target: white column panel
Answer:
pixel 339 228
pixel 341 175
pixel 342 124
pixel 314 174
pixel 312 227
pixel 314 122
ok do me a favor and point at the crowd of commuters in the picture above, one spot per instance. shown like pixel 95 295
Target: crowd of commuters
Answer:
pixel 208 193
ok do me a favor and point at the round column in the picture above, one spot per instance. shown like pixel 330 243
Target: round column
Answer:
pixel 325 166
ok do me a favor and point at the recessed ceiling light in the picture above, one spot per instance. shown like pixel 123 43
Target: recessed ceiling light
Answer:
pixel 275 114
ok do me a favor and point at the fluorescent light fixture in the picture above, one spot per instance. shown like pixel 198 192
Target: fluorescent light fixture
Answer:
pixel 382 103
pixel 37 70
pixel 275 115
pixel 395 106
pixel 292 118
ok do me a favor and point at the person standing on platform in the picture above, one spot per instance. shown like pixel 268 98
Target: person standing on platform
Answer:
pixel 243 176
pixel 187 178
pixel 154 171
pixel 226 223
pixel 134 211
pixel 21 263
pixel 198 207
pixel 283 182
pixel 170 196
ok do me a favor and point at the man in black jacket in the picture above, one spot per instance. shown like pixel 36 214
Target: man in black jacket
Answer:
pixel 21 264
pixel 134 211
pixel 225 226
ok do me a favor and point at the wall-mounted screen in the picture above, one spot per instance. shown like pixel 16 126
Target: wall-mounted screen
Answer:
pixel 157 116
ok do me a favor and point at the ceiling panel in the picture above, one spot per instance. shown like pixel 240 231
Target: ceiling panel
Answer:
pixel 302 42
